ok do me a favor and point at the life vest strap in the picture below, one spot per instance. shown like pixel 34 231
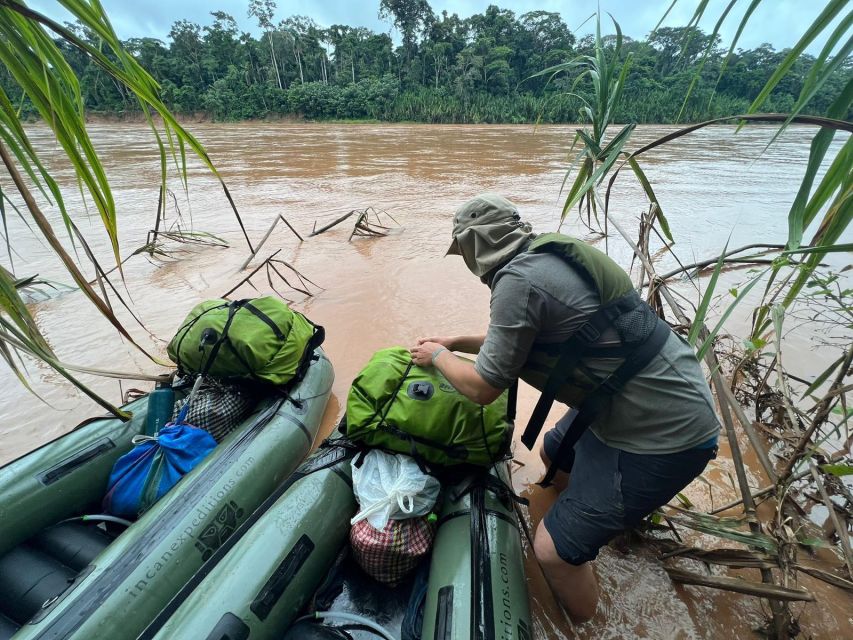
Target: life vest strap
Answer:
pixel 611 386
pixel 578 345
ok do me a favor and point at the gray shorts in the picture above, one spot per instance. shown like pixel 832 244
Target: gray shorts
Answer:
pixel 611 490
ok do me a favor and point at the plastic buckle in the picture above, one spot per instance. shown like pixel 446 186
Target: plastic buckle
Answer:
pixel 589 333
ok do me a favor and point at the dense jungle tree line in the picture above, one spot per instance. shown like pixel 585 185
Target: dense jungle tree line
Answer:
pixel 446 69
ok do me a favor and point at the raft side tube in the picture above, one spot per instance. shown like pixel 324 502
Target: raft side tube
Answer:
pixel 262 582
pixel 136 576
pixel 477 585
pixel 64 477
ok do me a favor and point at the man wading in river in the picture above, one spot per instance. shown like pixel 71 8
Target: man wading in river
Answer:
pixel 565 318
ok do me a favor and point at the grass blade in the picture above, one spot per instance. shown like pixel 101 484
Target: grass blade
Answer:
pixel 702 311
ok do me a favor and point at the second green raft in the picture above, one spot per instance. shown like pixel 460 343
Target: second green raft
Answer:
pixel 259 585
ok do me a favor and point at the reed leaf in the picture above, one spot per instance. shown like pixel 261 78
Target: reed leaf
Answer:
pixel 580 190
pixel 821 23
pixel 9 336
pixel 16 310
pixel 652 196
pixel 709 341
pixel 722 528
pixel 824 66
pixel 704 305
pixel 803 210
pixel 835 178
pixel 705 55
pixel 823 377
pixel 664 16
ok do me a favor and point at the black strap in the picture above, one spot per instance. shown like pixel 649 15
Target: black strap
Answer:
pixel 491 483
pixel 512 402
pixel 185 329
pixel 384 409
pixel 611 386
pixel 264 318
pixel 571 352
pixel 232 311
pixel 314 342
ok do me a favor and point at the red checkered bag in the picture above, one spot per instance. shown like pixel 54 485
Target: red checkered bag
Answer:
pixel 390 554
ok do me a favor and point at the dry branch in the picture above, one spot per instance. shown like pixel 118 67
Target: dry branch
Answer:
pixel 841 531
pixel 823 409
pixel 362 226
pixel 825 576
pixel 701 264
pixel 770 591
pixel 765 491
pixel 278 218
pixel 749 429
pixel 270 265
pixel 317 232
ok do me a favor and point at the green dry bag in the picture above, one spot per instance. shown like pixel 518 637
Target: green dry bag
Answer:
pixel 260 339
pixel 401 407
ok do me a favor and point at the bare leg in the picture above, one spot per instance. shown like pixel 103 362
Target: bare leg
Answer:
pixel 561 479
pixel 575 586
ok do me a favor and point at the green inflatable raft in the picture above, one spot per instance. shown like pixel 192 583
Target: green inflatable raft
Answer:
pixel 292 551
pixel 61 576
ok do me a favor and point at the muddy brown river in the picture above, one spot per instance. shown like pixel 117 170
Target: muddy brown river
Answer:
pixel 715 186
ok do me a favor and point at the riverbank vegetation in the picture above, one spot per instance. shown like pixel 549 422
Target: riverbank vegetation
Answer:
pixel 446 69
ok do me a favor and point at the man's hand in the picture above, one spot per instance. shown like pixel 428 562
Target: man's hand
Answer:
pixel 424 350
pixel 448 342
pixel 459 372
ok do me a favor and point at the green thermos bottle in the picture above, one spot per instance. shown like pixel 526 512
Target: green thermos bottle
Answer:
pixel 161 404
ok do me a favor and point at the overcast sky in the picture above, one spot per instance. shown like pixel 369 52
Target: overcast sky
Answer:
pixel 779 22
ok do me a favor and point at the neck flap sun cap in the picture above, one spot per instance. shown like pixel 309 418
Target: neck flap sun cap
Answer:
pixel 488 232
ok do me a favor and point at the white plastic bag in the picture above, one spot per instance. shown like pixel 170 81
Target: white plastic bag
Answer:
pixel 391 487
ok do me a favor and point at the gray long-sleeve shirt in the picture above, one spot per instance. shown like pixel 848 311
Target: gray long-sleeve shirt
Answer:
pixel 538 298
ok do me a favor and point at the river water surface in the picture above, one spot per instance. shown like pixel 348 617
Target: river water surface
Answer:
pixel 715 186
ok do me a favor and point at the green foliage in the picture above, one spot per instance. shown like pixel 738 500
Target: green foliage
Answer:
pixel 38 58
pixel 479 69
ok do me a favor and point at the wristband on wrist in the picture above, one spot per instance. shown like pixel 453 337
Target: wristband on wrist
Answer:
pixel 437 352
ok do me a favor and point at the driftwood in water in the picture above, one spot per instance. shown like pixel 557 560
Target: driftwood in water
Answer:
pixel 278 218
pixel 334 223
pixel 175 232
pixel 770 591
pixel 363 226
pixel 275 266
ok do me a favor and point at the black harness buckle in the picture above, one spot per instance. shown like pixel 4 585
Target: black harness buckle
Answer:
pixel 588 333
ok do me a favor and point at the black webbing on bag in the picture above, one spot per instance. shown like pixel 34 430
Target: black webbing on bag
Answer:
pixel 232 311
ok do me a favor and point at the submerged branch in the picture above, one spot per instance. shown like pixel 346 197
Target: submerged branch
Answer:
pixel 278 218
pixel 823 409
pixel 738 585
pixel 701 264
pixel 841 531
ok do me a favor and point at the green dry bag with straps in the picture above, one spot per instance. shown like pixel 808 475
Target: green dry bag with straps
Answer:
pixel 260 339
pixel 397 406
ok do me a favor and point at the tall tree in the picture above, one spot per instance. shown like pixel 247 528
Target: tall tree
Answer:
pixel 411 17
pixel 264 10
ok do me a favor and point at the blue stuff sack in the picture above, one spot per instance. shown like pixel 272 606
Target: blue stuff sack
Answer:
pixel 142 476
